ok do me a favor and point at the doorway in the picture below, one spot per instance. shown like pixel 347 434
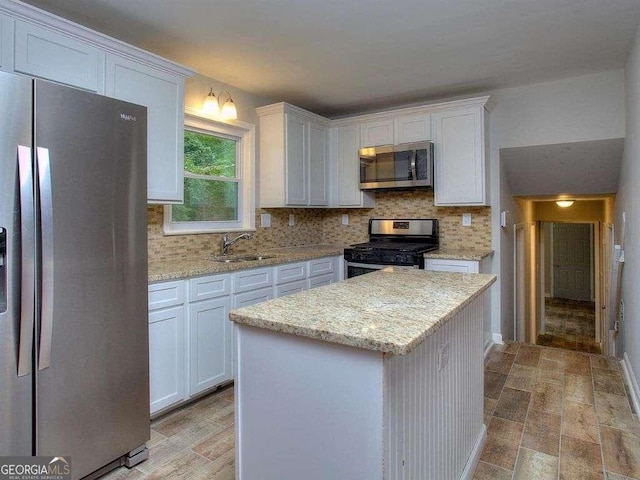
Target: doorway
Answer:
pixel 567 264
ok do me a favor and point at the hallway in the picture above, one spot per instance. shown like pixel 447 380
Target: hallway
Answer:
pixel 569 324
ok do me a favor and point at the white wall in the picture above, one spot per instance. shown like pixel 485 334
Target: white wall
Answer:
pixel 571 110
pixel 627 200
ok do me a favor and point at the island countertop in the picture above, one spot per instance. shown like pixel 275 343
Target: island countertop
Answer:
pixel 392 310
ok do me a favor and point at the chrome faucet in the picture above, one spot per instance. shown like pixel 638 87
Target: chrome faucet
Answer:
pixel 226 243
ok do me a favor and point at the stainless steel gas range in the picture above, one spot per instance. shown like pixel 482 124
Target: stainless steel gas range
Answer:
pixel 401 242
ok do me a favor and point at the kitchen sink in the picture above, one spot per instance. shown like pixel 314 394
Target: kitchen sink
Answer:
pixel 241 258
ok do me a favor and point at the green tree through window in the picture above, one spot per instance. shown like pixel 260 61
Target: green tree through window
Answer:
pixel 210 179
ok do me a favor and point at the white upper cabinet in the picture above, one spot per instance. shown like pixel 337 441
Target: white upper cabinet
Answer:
pixel 39 44
pixel 163 95
pixel 460 160
pixel 376 132
pixel 47 54
pixel 293 157
pixel 345 144
pixel 413 127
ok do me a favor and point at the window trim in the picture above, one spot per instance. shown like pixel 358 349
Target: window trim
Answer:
pixel 245 172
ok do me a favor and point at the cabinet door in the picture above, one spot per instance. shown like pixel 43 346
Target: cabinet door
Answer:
pixel 378 132
pixel 163 95
pixel 297 160
pixel 167 361
pixel 460 266
pixel 318 164
pixel 50 55
pixel 459 157
pixel 347 141
pixel 210 344
pixel 411 128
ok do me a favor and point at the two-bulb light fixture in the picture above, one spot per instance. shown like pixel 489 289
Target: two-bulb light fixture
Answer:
pixel 564 203
pixel 211 106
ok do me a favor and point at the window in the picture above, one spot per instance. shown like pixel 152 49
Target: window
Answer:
pixel 218 179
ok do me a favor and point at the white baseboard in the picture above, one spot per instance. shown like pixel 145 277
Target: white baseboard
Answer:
pixel 631 381
pixel 474 458
pixel 495 339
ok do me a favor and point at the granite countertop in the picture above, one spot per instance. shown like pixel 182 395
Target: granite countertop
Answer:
pixel 177 269
pixel 458 254
pixel 391 310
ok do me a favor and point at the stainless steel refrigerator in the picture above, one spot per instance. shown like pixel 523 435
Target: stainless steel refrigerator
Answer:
pixel 74 362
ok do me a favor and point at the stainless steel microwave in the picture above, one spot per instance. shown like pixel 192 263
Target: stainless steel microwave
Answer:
pixel 408 165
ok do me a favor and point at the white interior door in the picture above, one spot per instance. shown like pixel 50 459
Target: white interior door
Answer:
pixel 572 261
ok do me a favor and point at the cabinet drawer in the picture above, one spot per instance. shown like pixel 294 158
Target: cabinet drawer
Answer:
pixel 214 286
pixel 289 288
pixel 52 56
pixel 460 266
pixel 246 280
pixel 291 272
pixel 321 280
pixel 321 266
pixel 253 297
pixel 166 294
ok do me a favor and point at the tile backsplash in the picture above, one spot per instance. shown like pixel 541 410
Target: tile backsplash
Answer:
pixel 313 226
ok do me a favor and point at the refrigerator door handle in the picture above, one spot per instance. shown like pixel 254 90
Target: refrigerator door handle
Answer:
pixel 28 276
pixel 46 227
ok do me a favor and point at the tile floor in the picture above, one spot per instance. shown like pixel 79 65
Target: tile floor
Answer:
pixel 196 442
pixel 550 414
pixel 569 324
pixel 557 414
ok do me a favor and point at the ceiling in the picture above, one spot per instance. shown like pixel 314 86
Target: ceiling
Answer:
pixel 579 168
pixel 336 57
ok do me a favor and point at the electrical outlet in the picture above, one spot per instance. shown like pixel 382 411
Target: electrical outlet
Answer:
pixel 466 219
pixel 265 220
pixel 443 356
pixel 292 219
pixel 345 219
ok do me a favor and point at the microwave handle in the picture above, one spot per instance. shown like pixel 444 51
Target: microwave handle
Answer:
pixel 414 175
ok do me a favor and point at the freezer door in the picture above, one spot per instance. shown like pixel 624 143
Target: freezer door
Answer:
pixel 92 353
pixel 15 390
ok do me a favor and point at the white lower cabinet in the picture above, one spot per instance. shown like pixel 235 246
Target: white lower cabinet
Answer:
pixel 190 335
pixel 210 344
pixel 167 375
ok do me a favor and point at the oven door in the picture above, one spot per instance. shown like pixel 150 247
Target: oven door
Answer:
pixel 355 269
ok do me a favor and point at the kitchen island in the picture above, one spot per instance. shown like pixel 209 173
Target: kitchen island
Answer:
pixel 376 377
